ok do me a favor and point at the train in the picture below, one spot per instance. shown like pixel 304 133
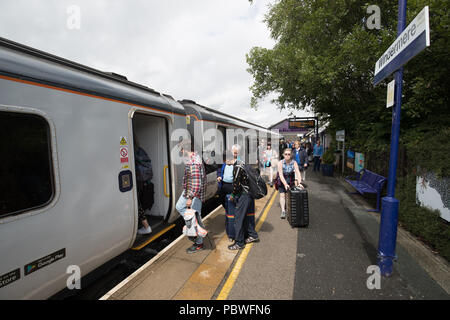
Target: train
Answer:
pixel 68 187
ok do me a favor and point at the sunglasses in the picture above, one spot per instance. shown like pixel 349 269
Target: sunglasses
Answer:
pixel 287 154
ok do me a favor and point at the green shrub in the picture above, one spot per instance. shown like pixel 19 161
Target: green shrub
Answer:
pixel 424 223
pixel 328 157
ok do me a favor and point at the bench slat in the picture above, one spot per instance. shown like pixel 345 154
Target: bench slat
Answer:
pixel 368 182
pixel 362 186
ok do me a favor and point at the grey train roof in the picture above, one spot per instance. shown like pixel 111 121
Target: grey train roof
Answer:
pixel 26 63
pixel 19 61
pixel 209 114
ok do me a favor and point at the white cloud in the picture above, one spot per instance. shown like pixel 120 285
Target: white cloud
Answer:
pixel 189 49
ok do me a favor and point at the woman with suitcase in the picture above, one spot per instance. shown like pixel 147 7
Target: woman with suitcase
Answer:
pixel 288 176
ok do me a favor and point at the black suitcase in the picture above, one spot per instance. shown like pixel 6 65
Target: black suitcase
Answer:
pixel 297 208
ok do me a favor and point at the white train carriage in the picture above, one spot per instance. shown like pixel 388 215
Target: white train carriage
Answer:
pixel 67 191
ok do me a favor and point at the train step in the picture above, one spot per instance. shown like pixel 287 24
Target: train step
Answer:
pixel 143 240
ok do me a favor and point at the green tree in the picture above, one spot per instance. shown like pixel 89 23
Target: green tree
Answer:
pixel 324 58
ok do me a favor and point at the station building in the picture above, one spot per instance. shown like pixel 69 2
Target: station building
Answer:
pixel 304 129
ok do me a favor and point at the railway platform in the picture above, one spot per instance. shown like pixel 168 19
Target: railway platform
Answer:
pixel 331 259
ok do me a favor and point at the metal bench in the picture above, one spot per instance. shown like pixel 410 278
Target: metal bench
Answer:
pixel 367 182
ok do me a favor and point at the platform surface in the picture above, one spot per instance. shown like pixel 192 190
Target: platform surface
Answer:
pixel 174 274
pixel 327 260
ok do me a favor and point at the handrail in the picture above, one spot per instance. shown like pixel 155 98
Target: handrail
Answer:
pixel 165 184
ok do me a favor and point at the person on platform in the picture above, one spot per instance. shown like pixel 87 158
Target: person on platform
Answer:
pixel 301 157
pixel 144 186
pixel 194 189
pixel 289 176
pixel 309 152
pixel 244 204
pixel 268 155
pixel 225 189
pixel 317 154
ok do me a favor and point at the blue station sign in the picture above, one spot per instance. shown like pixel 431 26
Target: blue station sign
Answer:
pixel 411 41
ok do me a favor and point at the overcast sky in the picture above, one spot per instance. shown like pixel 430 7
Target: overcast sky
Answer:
pixel 189 49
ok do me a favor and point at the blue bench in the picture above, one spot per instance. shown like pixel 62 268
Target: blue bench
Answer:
pixel 368 182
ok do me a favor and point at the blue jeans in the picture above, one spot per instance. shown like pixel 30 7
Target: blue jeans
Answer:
pixel 316 163
pixel 197 206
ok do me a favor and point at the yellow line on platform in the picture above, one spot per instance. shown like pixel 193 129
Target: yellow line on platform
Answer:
pixel 226 289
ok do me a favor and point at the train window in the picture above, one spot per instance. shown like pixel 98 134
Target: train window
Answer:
pixel 222 131
pixel 26 171
pixel 209 162
pixel 210 168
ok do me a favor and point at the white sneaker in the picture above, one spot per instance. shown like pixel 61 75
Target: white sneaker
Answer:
pixel 145 230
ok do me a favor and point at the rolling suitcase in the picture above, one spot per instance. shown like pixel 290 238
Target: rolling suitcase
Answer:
pixel 297 208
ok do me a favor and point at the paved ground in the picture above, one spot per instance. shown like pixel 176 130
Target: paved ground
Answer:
pixel 174 274
pixel 329 259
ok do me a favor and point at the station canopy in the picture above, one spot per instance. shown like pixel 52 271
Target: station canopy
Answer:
pixel 295 127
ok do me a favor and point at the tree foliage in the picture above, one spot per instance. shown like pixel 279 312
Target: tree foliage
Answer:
pixel 324 59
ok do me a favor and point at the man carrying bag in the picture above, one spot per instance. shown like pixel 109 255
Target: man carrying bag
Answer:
pixel 194 189
pixel 244 200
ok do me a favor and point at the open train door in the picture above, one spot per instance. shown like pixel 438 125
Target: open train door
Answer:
pixel 150 133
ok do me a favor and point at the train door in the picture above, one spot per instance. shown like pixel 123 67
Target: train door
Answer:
pixel 222 142
pixel 197 128
pixel 151 134
pixel 209 147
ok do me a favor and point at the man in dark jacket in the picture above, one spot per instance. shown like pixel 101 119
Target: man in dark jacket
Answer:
pixel 301 157
pixel 244 224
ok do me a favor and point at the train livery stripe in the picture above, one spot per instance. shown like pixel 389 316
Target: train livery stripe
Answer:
pixel 83 94
pixel 108 99
pixel 193 115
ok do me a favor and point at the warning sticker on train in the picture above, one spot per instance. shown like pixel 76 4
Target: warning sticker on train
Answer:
pixel 123 155
pixel 123 141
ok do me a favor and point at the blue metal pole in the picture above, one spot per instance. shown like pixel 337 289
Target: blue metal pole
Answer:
pixel 389 215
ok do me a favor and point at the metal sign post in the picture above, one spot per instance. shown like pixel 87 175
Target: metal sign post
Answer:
pixel 408 43
pixel 340 136
pixel 389 216
pixel 343 157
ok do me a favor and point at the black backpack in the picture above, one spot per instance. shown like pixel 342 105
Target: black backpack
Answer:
pixel 257 186
pixel 144 171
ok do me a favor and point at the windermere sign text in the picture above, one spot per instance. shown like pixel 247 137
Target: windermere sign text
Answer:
pixel 411 41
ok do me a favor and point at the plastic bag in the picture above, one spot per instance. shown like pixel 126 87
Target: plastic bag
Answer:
pixel 192 227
